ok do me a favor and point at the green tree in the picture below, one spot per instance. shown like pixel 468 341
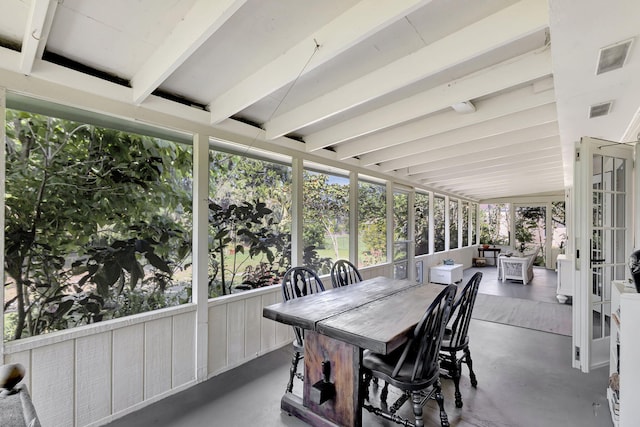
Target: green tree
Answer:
pixel 372 222
pixel 86 211
pixel 326 205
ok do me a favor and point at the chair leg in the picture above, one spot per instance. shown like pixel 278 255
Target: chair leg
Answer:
pixel 384 393
pixel 444 419
pixel 455 375
pixel 366 382
pixel 469 362
pixel 292 371
pixel 416 399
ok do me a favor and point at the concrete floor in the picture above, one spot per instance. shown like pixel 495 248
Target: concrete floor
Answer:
pixel 524 379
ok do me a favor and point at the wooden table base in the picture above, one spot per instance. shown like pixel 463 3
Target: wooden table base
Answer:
pixel 344 359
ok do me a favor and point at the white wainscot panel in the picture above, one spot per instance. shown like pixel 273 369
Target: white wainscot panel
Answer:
pixel 253 320
pixel 52 378
pixel 157 357
pixel 267 326
pixel 184 348
pixel 217 338
pixel 93 378
pixel 236 327
pixel 128 367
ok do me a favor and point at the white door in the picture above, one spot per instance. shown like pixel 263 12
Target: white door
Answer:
pixel 602 206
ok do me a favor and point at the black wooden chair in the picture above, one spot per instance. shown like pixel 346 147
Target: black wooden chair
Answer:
pixel 344 273
pixel 298 282
pixel 413 368
pixel 456 337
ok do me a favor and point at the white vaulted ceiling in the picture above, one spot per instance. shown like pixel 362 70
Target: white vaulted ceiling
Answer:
pixel 370 83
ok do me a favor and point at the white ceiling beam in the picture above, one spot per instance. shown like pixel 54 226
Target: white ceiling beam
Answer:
pixel 480 181
pixel 533 156
pixel 481 168
pixel 202 20
pixel 510 187
pixel 414 152
pixel 508 74
pixel 36 33
pixel 497 106
pixel 356 24
pixel 472 187
pixel 507 25
pixel 476 146
pixel 529 149
pixel 484 174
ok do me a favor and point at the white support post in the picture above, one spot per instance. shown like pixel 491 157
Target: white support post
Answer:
pixel 3 98
pixel 460 221
pixel 432 228
pixel 353 217
pixel 200 279
pixel 447 224
pixel 390 225
pixel 411 236
pixel 297 196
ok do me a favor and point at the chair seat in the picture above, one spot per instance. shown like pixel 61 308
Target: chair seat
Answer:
pixel 383 365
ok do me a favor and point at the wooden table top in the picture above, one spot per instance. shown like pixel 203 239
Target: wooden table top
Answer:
pixel 375 314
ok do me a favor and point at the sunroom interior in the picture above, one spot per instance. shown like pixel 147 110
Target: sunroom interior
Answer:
pixel 408 116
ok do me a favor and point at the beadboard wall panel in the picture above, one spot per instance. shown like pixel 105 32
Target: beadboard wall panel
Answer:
pixel 128 367
pixel 236 326
pixel 253 334
pixel 184 346
pixel 217 344
pixel 52 378
pixel 267 327
pixel 93 378
pixel 157 357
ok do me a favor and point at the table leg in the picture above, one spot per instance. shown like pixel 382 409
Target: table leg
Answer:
pixel 344 359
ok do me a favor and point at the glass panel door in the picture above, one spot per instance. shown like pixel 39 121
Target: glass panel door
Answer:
pixel 603 212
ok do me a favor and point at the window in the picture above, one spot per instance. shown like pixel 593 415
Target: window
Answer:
pixel 422 223
pixel 453 224
pixel 494 224
pixel 97 223
pixel 474 215
pixel 400 234
pixel 438 223
pixel 372 223
pixel 249 222
pixel 465 224
pixel 325 220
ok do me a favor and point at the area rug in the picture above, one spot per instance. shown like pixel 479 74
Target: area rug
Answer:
pixel 541 316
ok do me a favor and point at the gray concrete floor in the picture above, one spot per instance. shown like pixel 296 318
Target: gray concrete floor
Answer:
pixel 524 379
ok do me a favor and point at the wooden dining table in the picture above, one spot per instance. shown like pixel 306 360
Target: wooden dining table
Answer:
pixel 375 314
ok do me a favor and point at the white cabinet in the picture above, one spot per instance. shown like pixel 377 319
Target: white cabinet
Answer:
pixel 446 274
pixel 624 354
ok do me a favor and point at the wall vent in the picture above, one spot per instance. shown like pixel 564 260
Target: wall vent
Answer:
pixel 613 57
pixel 599 110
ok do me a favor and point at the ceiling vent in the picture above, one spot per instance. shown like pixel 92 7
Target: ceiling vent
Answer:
pixel 599 110
pixel 613 57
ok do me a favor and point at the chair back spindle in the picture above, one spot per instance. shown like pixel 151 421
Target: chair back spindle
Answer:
pixel 462 311
pixel 298 282
pixel 344 273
